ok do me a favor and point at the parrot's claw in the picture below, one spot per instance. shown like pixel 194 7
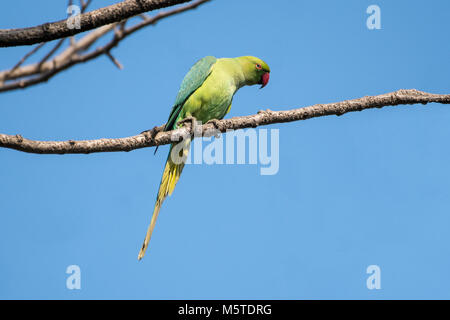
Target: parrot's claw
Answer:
pixel 150 134
pixel 190 119
pixel 193 122
pixel 218 125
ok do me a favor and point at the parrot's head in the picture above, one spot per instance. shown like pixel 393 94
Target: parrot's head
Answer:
pixel 255 70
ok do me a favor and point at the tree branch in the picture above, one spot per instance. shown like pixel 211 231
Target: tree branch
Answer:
pixel 88 21
pixel 156 136
pixel 36 73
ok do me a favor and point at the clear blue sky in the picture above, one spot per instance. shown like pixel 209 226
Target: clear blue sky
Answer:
pixel 362 189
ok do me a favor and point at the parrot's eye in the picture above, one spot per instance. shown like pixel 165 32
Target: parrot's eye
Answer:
pixel 258 66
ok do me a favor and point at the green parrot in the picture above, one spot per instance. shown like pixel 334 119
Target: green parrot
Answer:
pixel 205 94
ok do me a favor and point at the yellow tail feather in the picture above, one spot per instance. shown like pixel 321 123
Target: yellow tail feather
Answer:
pixel 171 175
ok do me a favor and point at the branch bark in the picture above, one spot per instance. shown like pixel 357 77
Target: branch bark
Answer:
pixel 88 21
pixel 156 136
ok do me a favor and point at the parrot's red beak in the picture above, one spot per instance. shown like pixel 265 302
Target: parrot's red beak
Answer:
pixel 265 79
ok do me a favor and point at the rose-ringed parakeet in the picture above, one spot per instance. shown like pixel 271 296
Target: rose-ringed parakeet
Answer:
pixel 206 93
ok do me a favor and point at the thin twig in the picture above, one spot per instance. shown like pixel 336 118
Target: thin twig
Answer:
pixel 114 60
pixel 51 52
pixel 29 54
pixel 85 5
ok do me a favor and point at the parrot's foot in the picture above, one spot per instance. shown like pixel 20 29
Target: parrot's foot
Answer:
pixel 193 122
pixel 151 134
pixel 218 126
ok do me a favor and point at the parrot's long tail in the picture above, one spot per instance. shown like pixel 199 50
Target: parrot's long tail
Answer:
pixel 171 175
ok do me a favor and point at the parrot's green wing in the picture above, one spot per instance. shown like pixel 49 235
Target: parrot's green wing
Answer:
pixel 191 82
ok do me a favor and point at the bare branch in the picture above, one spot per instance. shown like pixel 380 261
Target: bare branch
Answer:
pixel 51 52
pixel 114 60
pixel 84 5
pixel 156 136
pixel 70 57
pixel 25 57
pixel 88 21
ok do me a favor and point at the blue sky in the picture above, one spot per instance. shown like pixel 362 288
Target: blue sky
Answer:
pixel 368 188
